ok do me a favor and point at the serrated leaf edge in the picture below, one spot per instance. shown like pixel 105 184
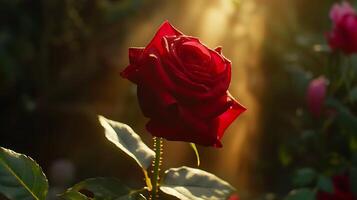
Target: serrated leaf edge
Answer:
pixel 14 173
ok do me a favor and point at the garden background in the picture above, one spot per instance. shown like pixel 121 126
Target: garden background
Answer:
pixel 60 63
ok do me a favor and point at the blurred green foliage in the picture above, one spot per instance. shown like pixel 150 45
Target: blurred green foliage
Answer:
pixel 52 54
pixel 308 151
pixel 47 47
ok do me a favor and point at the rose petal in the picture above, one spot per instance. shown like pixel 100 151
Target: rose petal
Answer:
pixel 212 108
pixel 219 62
pixel 225 119
pixel 166 29
pixel 135 55
pixel 173 130
pixel 181 124
pixel 173 122
pixel 131 72
pixel 154 102
pixel 194 53
pixel 218 50
pixel 184 86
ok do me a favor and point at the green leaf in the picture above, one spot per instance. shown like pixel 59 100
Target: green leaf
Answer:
pixel 193 145
pixel 284 156
pixel 128 141
pixel 304 177
pixel 21 178
pixel 101 189
pixel 74 195
pixel 345 117
pixel 353 143
pixel 301 194
pixel 194 184
pixel 353 95
pixel 139 197
pixel 325 184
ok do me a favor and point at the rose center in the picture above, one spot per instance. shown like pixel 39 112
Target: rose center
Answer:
pixel 192 52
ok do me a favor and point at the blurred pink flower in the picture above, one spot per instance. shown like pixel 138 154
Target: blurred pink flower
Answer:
pixel 233 197
pixel 343 35
pixel 316 94
pixel 342 190
pixel 339 10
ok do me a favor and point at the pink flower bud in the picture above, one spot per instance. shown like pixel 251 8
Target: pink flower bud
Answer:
pixel 316 94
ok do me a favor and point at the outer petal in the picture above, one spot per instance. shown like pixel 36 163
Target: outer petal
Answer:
pixel 178 123
pixel 212 108
pixel 220 62
pixel 166 29
pixel 149 72
pixel 218 50
pixel 135 55
pixel 154 103
pixel 225 119
pixel 175 131
pixel 131 72
pixel 172 121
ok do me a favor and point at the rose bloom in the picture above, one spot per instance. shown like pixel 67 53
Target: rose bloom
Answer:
pixel 182 88
pixel 316 94
pixel 344 32
pixel 342 190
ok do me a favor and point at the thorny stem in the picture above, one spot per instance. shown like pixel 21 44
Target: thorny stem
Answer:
pixel 158 144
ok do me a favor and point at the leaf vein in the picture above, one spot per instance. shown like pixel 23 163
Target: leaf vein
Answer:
pixel 7 167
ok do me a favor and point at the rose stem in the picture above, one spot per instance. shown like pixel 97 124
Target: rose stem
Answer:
pixel 158 144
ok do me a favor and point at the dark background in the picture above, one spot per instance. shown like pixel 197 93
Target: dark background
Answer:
pixel 60 62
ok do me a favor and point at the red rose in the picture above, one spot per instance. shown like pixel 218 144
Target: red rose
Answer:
pixel 342 190
pixel 316 94
pixel 344 32
pixel 182 87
